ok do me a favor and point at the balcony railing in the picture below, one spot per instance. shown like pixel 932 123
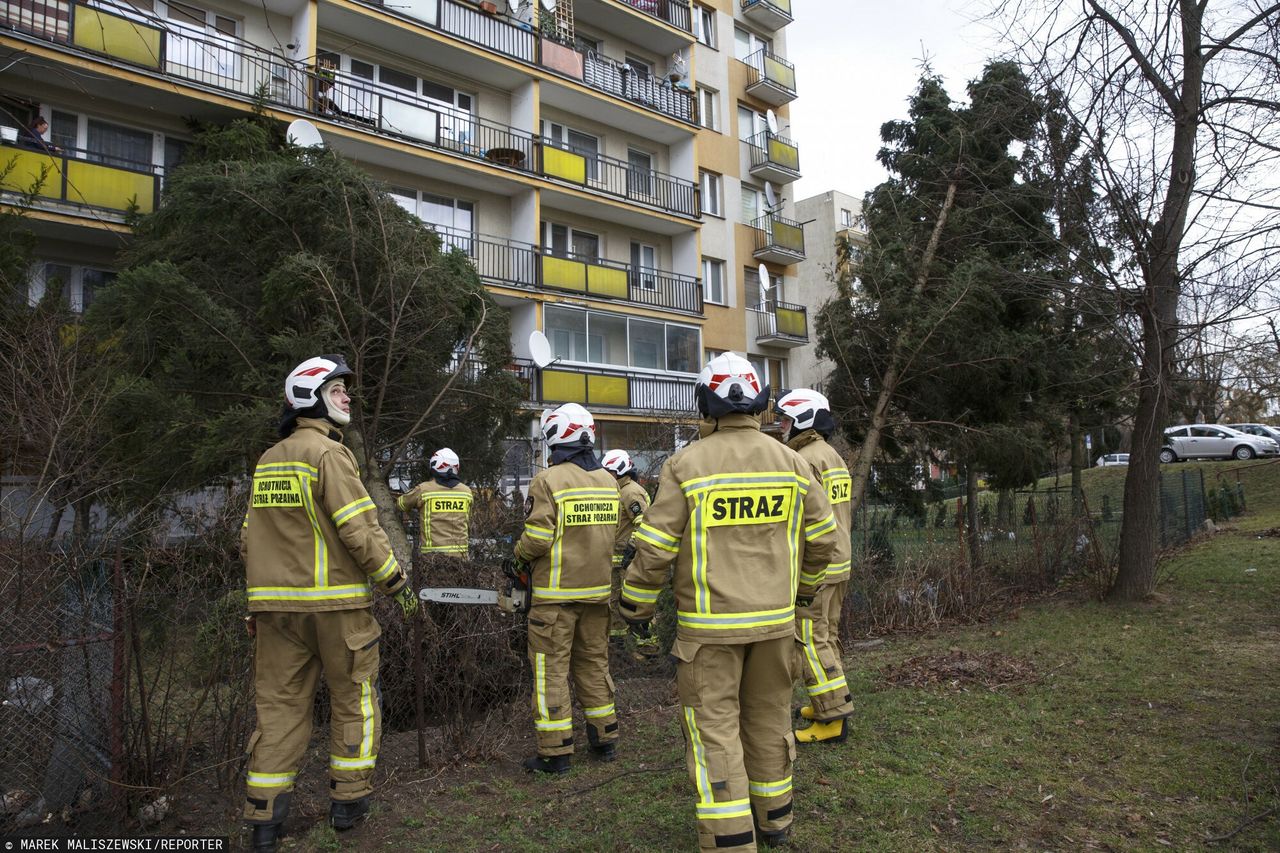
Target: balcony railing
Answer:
pixel 80 178
pixel 674 12
pixel 778 240
pixel 619 178
pixel 497 260
pixel 616 78
pixel 616 388
pixel 467 23
pixel 770 14
pixel 774 158
pixel 781 324
pixel 770 77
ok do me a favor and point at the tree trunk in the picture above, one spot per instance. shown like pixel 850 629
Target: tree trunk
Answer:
pixel 893 373
pixel 1078 463
pixel 375 483
pixel 971 496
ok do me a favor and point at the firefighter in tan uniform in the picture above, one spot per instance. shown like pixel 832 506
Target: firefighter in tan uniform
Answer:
pixel 568 545
pixel 633 500
pixel 745 522
pixel 445 503
pixel 806 426
pixel 313 552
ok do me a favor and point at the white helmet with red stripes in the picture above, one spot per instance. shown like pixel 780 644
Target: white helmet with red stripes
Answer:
pixel 618 462
pixel 569 424
pixel 444 461
pixel 729 384
pixel 302 391
pixel 806 409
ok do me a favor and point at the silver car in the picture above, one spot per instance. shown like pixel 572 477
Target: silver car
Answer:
pixel 1257 429
pixel 1214 441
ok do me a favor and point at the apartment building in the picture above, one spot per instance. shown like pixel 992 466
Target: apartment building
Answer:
pixel 829 217
pixel 616 169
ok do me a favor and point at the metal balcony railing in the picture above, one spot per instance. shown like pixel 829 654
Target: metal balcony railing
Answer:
pixel 498 260
pixel 778 236
pixel 774 153
pixel 781 322
pixel 618 178
pixel 771 14
pixel 615 388
pixel 766 70
pixel 467 23
pixel 655 93
pixel 85 179
pixel 674 12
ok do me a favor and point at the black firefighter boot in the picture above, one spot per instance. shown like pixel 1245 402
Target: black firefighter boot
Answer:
pixel 779 838
pixel 344 814
pixel 602 751
pixel 265 836
pixel 552 764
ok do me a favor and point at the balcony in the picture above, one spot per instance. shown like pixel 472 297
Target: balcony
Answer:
pixel 79 180
pixel 618 178
pixel 770 78
pixel 512 263
pixel 660 26
pixel 781 324
pixel 771 14
pixel 674 12
pixel 774 158
pixel 648 90
pixel 467 23
pixel 778 240
pixel 598 387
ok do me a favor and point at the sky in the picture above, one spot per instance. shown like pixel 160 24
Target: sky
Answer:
pixel 857 62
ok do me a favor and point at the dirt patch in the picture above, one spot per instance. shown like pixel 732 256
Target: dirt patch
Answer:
pixel 960 670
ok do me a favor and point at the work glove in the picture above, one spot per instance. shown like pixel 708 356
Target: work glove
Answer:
pixel 407 598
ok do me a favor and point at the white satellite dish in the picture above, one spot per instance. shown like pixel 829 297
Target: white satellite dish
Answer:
pixel 763 272
pixel 540 349
pixel 771 120
pixel 304 134
pixel 770 197
pixel 549 5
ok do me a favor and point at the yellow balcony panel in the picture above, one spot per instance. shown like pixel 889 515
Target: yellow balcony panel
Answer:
pixel 792 322
pixel 784 154
pixel 561 386
pixel 117 37
pixel 607 281
pixel 788 236
pixel 564 273
pixel 608 391
pixel 780 73
pixel 558 163
pixel 104 186
pixel 22 171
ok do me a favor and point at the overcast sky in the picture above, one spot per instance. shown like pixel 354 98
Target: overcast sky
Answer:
pixel 856 62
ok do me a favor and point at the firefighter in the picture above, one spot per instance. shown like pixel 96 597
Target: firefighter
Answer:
pixel 806 426
pixel 446 508
pixel 313 551
pixel 745 523
pixel 568 544
pixel 633 500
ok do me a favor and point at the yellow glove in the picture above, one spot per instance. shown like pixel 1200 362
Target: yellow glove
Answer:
pixel 407 598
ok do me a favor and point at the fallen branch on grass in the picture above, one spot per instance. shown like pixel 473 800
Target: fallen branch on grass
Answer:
pixel 1213 839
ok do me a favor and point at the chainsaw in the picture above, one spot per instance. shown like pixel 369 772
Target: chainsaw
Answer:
pixel 514 598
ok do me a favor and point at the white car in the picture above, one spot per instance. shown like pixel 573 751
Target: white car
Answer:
pixel 1214 441
pixel 1112 459
pixel 1257 429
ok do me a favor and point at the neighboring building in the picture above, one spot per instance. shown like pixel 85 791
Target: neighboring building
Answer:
pixel 827 217
pixel 613 166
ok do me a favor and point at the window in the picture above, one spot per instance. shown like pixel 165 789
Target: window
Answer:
pixel 713 281
pixel 644 265
pixel 118 146
pixel 585 43
pixel 770 370
pixel 753 204
pixel 746 44
pixel 639 173
pixel 76 284
pixel 704 25
pixel 201 19
pixel 598 338
pixel 1207 432
pixel 750 124
pixel 709 108
pixel 64 130
pixel 709 184
pixel 751 289
pixel 577 142
pixel 453 219
pixel 565 241
pixel 846 218
pixel 642 67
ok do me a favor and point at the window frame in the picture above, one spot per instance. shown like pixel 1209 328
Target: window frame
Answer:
pixel 706 181
pixel 708 96
pixel 709 264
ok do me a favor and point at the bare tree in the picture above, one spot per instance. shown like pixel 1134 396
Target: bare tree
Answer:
pixel 1179 108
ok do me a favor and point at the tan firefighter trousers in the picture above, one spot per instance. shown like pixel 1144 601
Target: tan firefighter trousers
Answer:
pixel 818 633
pixel 736 702
pixel 570 639
pixel 292 649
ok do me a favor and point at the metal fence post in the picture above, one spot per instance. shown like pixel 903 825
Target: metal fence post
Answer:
pixel 1186 505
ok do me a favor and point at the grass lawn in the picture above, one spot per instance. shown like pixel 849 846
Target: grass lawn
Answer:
pixel 1147 727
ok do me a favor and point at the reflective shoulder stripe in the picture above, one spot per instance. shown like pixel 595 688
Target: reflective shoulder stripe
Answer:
pixel 286 468
pixel 351 510
pixel 585 492
pixel 638 594
pixel 656 537
pixel 832 473
pixel 754 478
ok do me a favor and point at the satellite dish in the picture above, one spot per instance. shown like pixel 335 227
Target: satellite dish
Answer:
pixel 304 134
pixel 549 5
pixel 771 120
pixel 763 272
pixel 540 349
pixel 770 197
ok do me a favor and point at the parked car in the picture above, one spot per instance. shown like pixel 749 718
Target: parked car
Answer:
pixel 1257 429
pixel 1214 441
pixel 1112 459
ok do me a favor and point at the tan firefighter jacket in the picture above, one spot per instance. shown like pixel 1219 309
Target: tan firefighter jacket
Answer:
pixel 831 470
pixel 745 521
pixel 445 518
pixel 568 536
pixel 633 500
pixel 310 539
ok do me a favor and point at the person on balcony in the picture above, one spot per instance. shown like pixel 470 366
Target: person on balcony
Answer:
pixel 32 136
